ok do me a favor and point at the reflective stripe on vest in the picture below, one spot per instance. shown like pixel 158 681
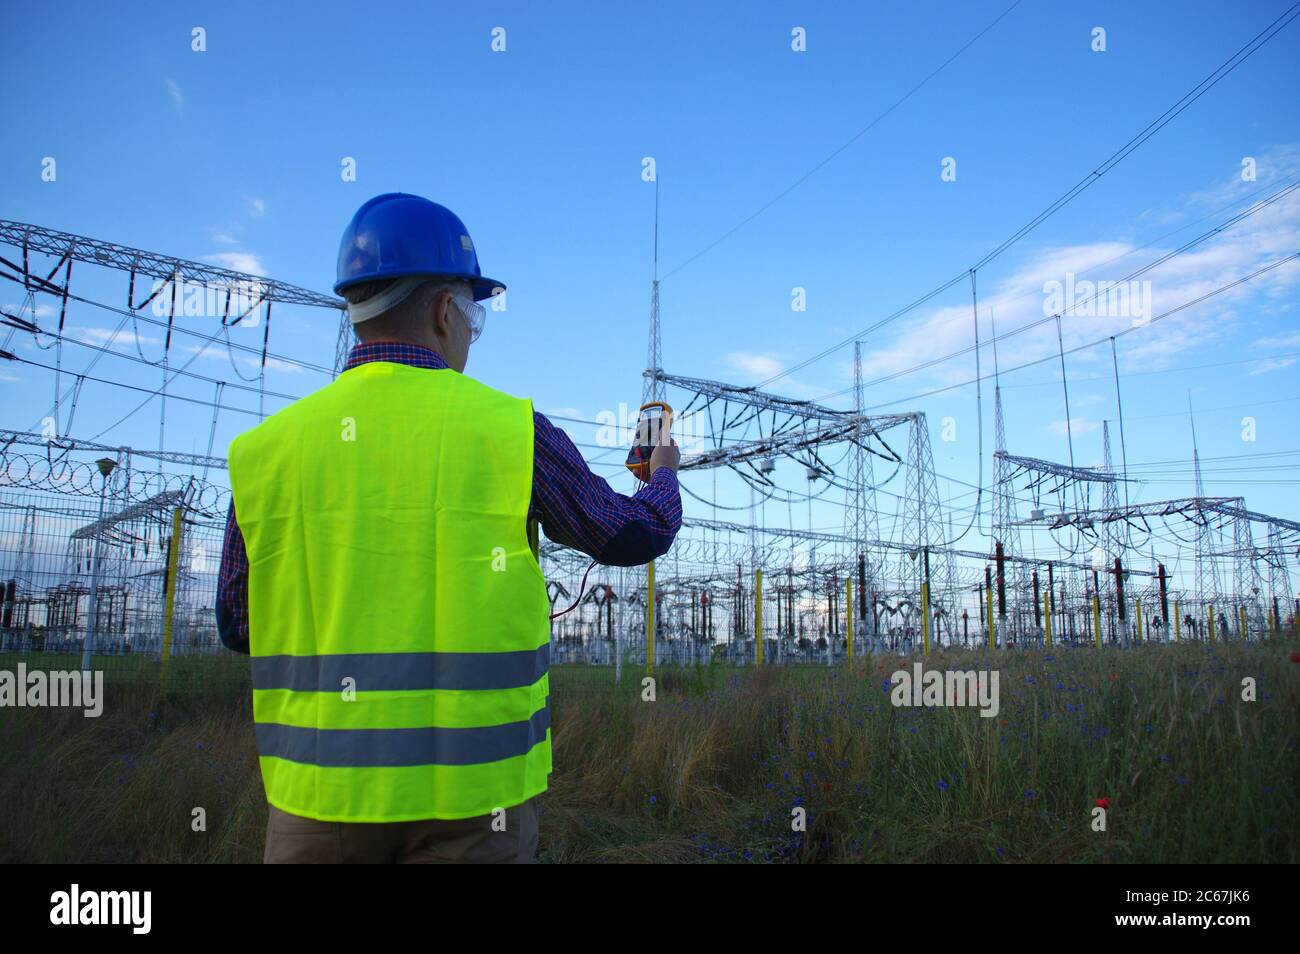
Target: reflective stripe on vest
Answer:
pixel 375 671
pixel 360 747
pixel 398 620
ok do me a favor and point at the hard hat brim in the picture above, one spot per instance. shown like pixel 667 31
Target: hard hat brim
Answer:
pixel 485 287
pixel 480 287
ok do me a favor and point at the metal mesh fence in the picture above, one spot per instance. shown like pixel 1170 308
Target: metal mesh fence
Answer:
pixel 109 558
pixel 106 563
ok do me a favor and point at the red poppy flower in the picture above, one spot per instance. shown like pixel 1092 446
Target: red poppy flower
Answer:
pixel 1295 657
pixel 1003 723
pixel 1103 803
pixel 1114 676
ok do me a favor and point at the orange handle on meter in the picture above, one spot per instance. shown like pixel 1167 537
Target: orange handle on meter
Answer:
pixel 656 419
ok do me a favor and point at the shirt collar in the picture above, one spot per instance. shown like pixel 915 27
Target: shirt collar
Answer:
pixel 396 352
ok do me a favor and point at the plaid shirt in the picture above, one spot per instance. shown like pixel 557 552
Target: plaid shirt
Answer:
pixel 575 507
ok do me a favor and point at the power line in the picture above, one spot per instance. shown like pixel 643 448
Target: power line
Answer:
pixel 856 136
pixel 1178 369
pixel 1217 230
pixel 1072 193
pixel 108 352
pixel 152 392
pixel 1092 344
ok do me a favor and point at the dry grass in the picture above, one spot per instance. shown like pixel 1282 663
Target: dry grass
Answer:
pixel 712 770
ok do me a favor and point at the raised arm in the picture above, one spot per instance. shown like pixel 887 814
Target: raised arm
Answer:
pixel 580 509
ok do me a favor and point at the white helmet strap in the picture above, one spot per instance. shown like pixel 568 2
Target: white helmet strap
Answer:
pixel 389 298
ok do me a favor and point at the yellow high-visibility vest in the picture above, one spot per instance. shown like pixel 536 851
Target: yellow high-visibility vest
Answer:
pixel 398 617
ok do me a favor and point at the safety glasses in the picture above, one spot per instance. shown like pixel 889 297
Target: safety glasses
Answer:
pixel 474 313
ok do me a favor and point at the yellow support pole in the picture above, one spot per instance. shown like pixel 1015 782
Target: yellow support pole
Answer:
pixel 650 618
pixel 1047 618
pixel 1211 623
pixel 1137 606
pixel 925 618
pixel 848 616
pixel 169 588
pixel 1178 621
pixel 758 617
pixel 1241 615
pixel 1096 619
pixel 988 614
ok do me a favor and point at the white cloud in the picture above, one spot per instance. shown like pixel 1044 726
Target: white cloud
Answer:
pixel 1272 364
pixel 759 367
pixel 1278 341
pixel 1018 300
pixel 40 311
pixel 1272 167
pixel 238 261
pixel 275 364
pixel 753 365
pixel 102 336
pixel 251 361
pixel 174 91
pixel 256 207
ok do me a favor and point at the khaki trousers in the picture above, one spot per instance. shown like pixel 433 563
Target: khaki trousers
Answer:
pixel 292 839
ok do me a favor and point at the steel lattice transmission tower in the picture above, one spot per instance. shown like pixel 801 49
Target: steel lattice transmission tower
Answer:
pixel 1111 536
pixel 346 339
pixel 922 518
pixel 1004 513
pixel 1279 576
pixel 1004 516
pixel 1207 569
pixel 861 504
pixel 653 389
pixel 1245 571
pixel 1109 499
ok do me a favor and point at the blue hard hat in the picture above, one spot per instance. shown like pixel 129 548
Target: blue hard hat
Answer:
pixel 397 234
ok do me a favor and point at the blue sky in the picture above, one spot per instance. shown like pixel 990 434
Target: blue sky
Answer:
pixel 233 156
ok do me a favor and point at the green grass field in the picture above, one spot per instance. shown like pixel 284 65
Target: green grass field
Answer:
pixel 711 771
